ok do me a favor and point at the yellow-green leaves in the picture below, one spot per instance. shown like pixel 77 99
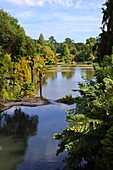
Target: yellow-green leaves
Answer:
pixel 79 123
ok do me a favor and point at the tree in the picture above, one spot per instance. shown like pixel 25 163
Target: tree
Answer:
pixel 52 40
pixel 65 53
pixel 41 69
pixel 38 48
pixel 79 46
pixel 6 73
pixel 74 51
pixel 48 55
pixel 41 40
pixel 69 42
pixel 12 36
pixel 52 43
pixel 31 54
pixel 105 40
pixel 91 40
pixel 23 73
pixel 87 54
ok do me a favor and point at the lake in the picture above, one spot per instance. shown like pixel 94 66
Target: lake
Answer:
pixel 26 134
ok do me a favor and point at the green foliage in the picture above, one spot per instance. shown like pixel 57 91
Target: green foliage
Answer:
pixel 40 65
pixel 105 40
pixel 52 43
pixel 5 74
pixel 65 53
pixel 52 40
pixel 52 46
pixel 48 55
pixel 5 67
pixel 74 51
pixel 23 73
pixel 41 40
pixel 70 43
pixel 68 99
pixel 28 90
pixel 12 36
pixel 104 159
pixel 86 54
pixel 89 123
pixel 30 48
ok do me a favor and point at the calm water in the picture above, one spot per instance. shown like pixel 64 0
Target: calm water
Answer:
pixel 26 141
pixel 63 80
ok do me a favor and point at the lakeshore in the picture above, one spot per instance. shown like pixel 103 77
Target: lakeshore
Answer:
pixel 32 102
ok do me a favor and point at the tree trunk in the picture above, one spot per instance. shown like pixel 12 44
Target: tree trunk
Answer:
pixel 32 71
pixel 40 79
pixel 32 74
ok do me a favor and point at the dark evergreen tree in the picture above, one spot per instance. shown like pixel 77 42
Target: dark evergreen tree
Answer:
pixel 105 41
pixel 41 40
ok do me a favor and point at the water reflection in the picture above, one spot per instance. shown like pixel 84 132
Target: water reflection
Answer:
pixel 52 75
pixel 89 72
pixel 14 132
pixel 41 150
pixel 62 80
pixel 68 75
pixel 22 147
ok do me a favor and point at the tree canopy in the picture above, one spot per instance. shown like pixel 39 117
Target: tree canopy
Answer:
pixel 105 40
pixel 12 36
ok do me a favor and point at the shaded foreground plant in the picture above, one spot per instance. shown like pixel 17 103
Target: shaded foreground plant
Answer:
pixel 90 125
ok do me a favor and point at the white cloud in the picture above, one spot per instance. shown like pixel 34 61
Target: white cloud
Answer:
pixel 80 4
pixel 40 3
pixel 28 2
pixel 65 3
pixel 80 20
pixel 71 30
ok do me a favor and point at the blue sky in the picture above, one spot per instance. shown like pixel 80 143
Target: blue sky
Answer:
pixel 75 19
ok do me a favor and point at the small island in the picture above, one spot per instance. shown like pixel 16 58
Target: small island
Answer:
pixel 32 102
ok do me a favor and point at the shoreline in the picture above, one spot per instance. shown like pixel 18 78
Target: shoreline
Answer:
pixel 35 101
pixel 31 102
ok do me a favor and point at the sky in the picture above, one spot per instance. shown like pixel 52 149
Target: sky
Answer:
pixel 75 19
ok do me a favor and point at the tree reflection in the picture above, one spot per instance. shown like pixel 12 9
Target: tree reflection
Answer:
pixel 19 123
pixel 68 74
pixel 90 73
pixel 52 75
pixel 14 132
